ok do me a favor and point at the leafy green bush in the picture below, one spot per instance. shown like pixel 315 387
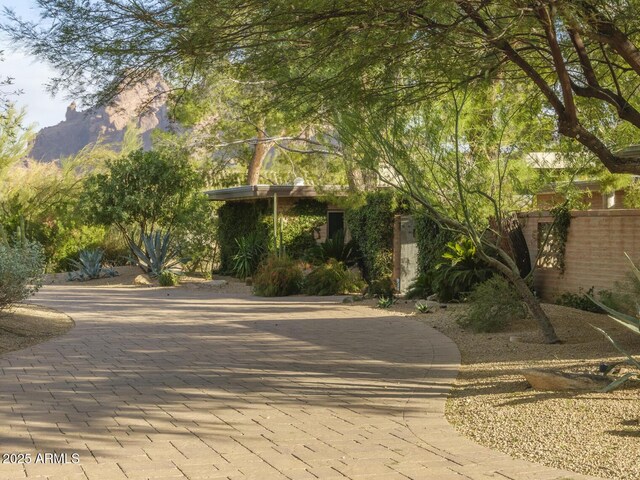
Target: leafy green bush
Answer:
pixel 277 277
pixel 460 272
pixel 371 227
pixel 332 278
pixel 168 279
pixel 580 301
pixel 383 287
pixel 21 271
pixel 421 287
pixel 492 305
pixel 431 240
pixel 248 255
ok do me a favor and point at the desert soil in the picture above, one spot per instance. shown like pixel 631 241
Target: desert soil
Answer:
pixel 26 325
pixel 491 403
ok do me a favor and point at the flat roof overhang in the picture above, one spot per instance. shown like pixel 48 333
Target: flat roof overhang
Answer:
pixel 253 192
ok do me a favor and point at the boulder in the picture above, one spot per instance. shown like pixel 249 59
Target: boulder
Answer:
pixel 143 281
pixel 549 380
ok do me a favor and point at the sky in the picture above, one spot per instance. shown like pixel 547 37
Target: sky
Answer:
pixel 30 75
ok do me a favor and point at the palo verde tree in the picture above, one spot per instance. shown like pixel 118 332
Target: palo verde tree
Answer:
pixel 462 161
pixel 580 58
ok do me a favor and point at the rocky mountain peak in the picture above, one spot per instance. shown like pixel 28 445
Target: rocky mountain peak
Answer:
pixel 143 104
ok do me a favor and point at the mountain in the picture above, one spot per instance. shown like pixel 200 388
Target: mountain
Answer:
pixel 143 104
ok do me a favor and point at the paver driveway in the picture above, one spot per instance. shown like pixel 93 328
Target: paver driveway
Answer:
pixel 159 383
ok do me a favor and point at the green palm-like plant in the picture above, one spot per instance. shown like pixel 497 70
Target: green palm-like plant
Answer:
pixel 461 271
pixel 335 248
pixel 158 255
pixel 627 321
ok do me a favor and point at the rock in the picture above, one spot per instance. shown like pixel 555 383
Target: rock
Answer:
pixel 248 281
pixel 143 281
pixel 348 300
pixel 216 283
pixel 548 380
pixel 433 298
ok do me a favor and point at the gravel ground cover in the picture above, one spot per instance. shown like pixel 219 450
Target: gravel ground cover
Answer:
pixel 590 433
pixel 127 274
pixel 26 324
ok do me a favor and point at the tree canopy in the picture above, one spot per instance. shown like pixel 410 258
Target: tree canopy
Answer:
pixel 578 57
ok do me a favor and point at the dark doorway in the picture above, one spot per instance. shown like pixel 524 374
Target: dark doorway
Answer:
pixel 335 223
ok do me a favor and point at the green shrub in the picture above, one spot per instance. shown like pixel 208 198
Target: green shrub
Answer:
pixel 383 287
pixel 460 272
pixel 421 287
pixel 371 227
pixel 168 279
pixel 580 301
pixel 21 271
pixel 277 277
pixel 332 278
pixel 431 240
pixel 492 305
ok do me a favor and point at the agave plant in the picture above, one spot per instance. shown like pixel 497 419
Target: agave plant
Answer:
pixel 627 321
pixel 386 302
pixel 157 255
pixel 88 266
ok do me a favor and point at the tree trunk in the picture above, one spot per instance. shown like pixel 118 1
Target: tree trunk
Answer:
pixel 259 154
pixel 536 310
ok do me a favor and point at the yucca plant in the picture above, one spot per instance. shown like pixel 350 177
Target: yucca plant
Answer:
pixel 248 256
pixel 627 321
pixel 158 255
pixel 88 266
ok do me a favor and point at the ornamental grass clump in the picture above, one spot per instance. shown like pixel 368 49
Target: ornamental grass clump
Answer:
pixel 332 278
pixel 278 277
pixel 21 271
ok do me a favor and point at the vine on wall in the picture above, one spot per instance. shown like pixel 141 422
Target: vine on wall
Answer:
pixel 560 233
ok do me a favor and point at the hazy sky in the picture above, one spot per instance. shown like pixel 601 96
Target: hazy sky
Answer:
pixel 29 74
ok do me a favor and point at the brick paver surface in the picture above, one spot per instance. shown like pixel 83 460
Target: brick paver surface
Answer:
pixel 184 384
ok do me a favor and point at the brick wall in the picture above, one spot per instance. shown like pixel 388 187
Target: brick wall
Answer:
pixel 594 253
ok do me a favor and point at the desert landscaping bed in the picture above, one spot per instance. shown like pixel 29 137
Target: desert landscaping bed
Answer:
pixel 26 325
pixel 491 403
